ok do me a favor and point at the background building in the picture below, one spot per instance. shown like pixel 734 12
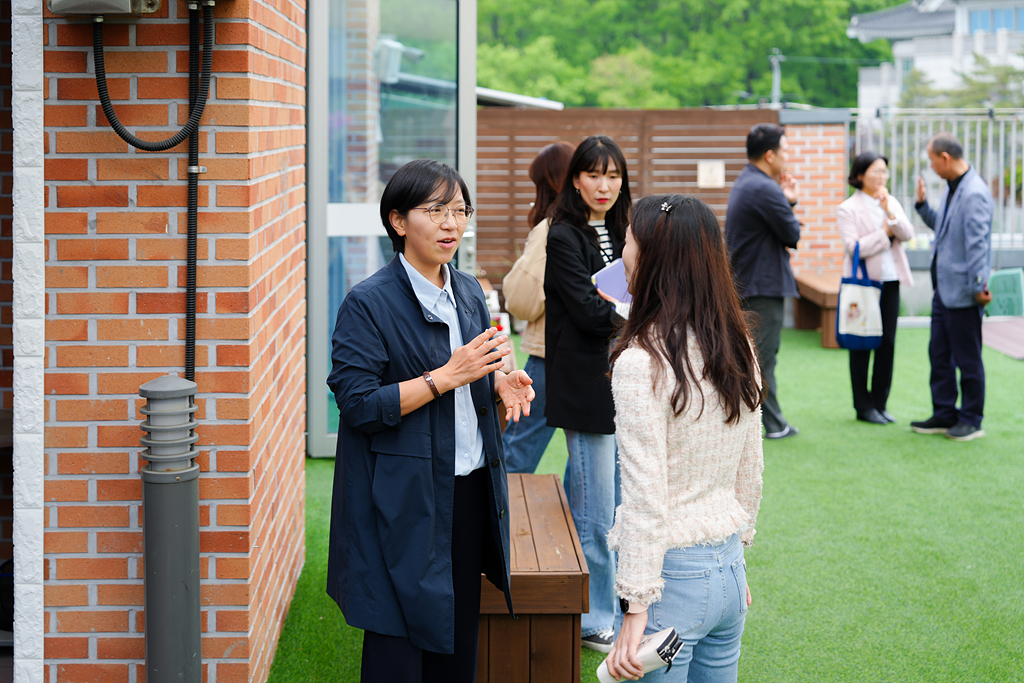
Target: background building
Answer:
pixel 938 38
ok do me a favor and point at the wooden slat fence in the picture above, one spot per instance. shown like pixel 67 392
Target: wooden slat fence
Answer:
pixel 662 149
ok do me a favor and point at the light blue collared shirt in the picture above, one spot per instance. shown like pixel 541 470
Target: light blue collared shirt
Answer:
pixel 469 441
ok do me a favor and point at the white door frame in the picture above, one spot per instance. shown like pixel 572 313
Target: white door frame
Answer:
pixel 319 442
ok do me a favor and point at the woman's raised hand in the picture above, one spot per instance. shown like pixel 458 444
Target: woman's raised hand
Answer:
pixel 516 393
pixel 472 361
pixel 883 199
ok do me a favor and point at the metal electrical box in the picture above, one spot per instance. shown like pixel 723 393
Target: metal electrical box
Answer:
pixel 106 7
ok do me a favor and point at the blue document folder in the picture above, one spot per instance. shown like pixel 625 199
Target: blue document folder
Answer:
pixel 612 281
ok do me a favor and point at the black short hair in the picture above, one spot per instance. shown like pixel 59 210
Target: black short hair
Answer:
pixel 762 138
pixel 948 143
pixel 861 165
pixel 415 183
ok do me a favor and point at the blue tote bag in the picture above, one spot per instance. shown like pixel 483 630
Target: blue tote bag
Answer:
pixel 859 313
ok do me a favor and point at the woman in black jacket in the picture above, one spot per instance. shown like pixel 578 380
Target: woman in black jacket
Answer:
pixel 588 226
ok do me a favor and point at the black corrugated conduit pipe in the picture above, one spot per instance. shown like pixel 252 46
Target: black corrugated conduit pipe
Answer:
pixel 198 93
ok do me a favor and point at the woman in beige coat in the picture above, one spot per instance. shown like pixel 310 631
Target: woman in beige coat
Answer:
pixel 873 219
pixel 525 441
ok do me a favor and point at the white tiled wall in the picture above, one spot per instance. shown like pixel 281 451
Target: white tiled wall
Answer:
pixel 29 333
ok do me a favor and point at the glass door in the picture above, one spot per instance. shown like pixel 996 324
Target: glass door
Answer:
pixel 383 89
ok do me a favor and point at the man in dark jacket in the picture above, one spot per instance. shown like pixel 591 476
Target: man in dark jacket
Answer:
pixel 759 227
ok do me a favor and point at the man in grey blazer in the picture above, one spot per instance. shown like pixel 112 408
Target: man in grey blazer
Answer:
pixel 961 263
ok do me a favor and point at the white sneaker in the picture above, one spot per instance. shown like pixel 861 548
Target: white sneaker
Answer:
pixel 600 641
pixel 790 430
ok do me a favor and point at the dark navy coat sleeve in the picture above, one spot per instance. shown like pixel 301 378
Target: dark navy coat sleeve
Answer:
pixel 359 355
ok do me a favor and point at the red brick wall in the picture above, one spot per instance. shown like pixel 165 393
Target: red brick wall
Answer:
pixel 115 224
pixel 817 160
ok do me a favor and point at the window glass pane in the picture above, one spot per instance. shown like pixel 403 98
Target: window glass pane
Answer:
pixel 981 20
pixel 1002 18
pixel 392 73
pixel 392 90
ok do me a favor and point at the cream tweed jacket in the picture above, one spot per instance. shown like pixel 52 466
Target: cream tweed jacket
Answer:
pixel 685 480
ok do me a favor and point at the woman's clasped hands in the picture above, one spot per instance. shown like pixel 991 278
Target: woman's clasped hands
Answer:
pixel 473 360
pixel 477 359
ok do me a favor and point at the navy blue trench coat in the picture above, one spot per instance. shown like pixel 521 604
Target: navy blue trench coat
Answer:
pixel 389 565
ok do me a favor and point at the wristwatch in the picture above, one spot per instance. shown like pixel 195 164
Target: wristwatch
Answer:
pixel 627 608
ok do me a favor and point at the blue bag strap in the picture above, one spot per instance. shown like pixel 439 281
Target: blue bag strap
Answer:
pixel 858 264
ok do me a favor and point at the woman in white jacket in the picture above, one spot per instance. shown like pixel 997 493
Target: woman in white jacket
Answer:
pixel 873 219
pixel 688 423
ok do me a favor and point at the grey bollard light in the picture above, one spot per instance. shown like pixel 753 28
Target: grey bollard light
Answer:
pixel 170 532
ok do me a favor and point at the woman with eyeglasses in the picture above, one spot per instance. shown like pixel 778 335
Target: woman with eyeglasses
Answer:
pixel 874 219
pixel 420 504
pixel 588 223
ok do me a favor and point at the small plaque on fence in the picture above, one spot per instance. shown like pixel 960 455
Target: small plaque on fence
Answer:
pixel 710 174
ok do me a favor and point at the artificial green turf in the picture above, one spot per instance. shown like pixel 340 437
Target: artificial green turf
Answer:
pixel 881 555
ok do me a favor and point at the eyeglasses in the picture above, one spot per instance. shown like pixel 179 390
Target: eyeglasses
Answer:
pixel 439 213
pixel 882 173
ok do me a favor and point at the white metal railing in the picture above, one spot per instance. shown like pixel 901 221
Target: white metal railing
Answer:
pixel 993 141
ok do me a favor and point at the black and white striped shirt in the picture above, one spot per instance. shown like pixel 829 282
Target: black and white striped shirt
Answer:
pixel 604 241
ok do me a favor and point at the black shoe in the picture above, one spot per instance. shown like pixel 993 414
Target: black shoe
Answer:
pixel 887 415
pixel 790 430
pixel 601 641
pixel 872 416
pixel 932 425
pixel 963 431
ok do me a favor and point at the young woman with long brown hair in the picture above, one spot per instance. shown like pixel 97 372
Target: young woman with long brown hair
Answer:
pixel 523 287
pixel 688 423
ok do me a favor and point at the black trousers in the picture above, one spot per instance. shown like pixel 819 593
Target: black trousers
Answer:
pixel 881 374
pixel 769 310
pixel 956 344
pixel 392 659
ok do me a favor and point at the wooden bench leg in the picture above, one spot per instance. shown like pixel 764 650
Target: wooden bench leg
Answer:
pixel 806 315
pixel 828 328
pixel 535 648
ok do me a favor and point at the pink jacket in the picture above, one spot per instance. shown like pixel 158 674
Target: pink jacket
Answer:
pixel 856 226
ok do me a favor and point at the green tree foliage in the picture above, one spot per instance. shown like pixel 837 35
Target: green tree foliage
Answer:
pixel 666 53
pixel 988 85
pixel 985 85
pixel 508 68
pixel 918 92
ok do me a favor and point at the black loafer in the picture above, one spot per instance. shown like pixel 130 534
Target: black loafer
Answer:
pixel 888 416
pixel 872 416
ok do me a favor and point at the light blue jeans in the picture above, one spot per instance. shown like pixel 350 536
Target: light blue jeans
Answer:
pixel 525 441
pixel 591 484
pixel 705 601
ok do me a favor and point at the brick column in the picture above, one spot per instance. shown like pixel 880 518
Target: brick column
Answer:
pixel 115 276
pixel 817 161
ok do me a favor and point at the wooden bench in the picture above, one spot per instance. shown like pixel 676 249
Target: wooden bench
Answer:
pixel 816 307
pixel 550 590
